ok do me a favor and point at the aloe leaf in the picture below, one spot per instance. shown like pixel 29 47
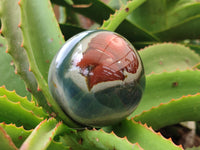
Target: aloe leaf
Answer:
pixel 168 57
pixel 185 108
pixel 15 113
pixel 57 146
pixel 17 134
pixel 187 29
pixel 10 17
pixel 116 19
pixel 38 17
pixel 158 87
pixel 168 20
pixel 30 106
pixel 43 135
pixel 5 141
pixel 102 12
pixel 41 33
pixel 144 136
pixel 98 139
pixel 7 72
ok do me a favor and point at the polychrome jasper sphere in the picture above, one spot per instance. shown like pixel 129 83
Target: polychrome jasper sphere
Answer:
pixel 97 78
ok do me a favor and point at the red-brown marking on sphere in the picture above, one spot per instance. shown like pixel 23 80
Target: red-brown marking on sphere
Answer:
pixel 106 59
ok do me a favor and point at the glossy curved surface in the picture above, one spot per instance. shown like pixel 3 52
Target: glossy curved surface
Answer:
pixel 97 78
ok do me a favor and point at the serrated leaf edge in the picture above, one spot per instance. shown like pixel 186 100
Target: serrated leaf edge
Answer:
pixel 157 133
pixel 8 138
pixel 163 104
pixel 53 107
pixel 21 107
pixel 35 108
pixel 112 133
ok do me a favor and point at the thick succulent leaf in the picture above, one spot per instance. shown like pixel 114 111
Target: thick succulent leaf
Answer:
pixel 57 146
pixel 42 38
pixel 184 109
pixel 103 12
pixel 17 134
pixel 5 141
pixel 10 15
pixel 168 57
pixel 161 88
pixel 7 72
pixel 169 20
pixel 43 135
pixel 30 106
pixel 145 136
pixel 15 113
pixel 119 16
pixel 187 29
pixel 42 35
pixel 97 140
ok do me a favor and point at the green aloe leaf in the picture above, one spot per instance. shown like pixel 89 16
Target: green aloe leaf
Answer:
pixel 12 112
pixel 43 135
pixel 158 87
pixel 103 12
pixel 185 108
pixel 42 39
pixel 29 105
pixel 7 72
pixel 145 136
pixel 57 146
pixel 11 16
pixel 41 33
pixel 169 20
pixel 116 19
pixel 99 139
pixel 168 57
pixel 17 134
pixel 6 142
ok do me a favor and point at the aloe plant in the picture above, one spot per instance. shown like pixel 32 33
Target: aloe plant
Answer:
pixel 165 34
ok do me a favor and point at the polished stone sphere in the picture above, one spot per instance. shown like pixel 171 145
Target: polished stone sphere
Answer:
pixel 97 78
